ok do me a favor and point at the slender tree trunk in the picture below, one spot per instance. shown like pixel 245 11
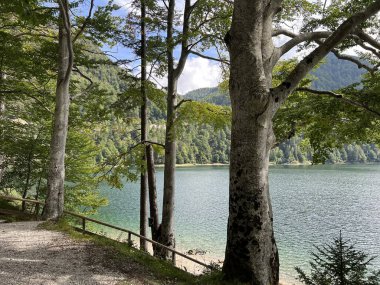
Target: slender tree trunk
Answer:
pixel 27 182
pixel 2 158
pixel 144 129
pixel 153 206
pixel 2 109
pixel 56 172
pixel 167 231
pixel 37 208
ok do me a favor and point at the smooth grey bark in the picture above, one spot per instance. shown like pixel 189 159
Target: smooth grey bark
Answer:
pixel 56 172
pixel 2 109
pixel 2 158
pixel 167 236
pixel 153 206
pixel 167 231
pixel 144 130
pixel 251 252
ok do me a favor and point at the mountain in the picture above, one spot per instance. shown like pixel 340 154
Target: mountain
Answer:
pixel 335 73
pixel 332 74
pixel 212 95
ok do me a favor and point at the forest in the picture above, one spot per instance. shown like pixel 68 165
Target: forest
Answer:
pixel 75 114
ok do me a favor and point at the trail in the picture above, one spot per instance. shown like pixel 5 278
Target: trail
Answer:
pixel 29 255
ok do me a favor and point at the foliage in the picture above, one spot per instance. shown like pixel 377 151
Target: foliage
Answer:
pixel 341 264
pixel 27 88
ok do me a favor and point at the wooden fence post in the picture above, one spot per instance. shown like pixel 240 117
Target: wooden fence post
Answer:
pixel 173 258
pixel 83 226
pixel 130 238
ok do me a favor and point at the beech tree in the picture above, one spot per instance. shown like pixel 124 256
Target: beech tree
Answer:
pixel 202 24
pixel 99 28
pixel 191 30
pixel 251 252
pixel 56 173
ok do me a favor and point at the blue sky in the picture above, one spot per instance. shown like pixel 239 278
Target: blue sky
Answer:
pixel 198 72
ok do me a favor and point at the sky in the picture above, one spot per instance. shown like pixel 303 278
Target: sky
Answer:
pixel 198 72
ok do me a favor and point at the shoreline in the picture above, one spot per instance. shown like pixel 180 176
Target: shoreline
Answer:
pixel 189 165
pixel 182 263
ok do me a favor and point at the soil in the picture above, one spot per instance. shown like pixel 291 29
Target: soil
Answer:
pixel 30 255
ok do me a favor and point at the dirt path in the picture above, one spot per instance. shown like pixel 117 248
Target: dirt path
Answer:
pixel 29 255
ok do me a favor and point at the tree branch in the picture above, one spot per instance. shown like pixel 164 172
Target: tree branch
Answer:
pixel 367 38
pixel 307 64
pixel 85 23
pixel 181 102
pixel 298 39
pixel 353 60
pixel 64 8
pixel 339 97
pixel 154 143
pixel 284 32
pixel 210 57
pixel 185 35
pixel 7 92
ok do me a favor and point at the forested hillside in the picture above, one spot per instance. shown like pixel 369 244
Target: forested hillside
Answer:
pixel 334 74
pixel 330 75
pixel 204 145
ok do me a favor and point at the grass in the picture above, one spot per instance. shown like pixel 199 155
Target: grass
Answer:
pixel 161 272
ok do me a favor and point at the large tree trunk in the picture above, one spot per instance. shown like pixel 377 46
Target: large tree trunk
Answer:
pixel 144 129
pixel 56 173
pixel 251 252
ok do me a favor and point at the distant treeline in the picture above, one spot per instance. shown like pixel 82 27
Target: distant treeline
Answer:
pixel 296 150
pixel 204 145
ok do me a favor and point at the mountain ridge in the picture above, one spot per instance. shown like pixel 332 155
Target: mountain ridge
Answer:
pixel 332 74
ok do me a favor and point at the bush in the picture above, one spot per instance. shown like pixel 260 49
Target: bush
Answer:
pixel 339 263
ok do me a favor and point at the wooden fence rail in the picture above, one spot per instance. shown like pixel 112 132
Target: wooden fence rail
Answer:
pixel 130 233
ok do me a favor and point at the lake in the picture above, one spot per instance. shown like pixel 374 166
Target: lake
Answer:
pixel 311 205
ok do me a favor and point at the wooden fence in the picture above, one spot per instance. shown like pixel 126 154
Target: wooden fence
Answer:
pixel 85 219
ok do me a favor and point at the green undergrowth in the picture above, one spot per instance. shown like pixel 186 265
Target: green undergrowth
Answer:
pixel 161 272
pixel 17 216
pixel 8 205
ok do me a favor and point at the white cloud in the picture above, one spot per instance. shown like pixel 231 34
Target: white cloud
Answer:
pixel 199 73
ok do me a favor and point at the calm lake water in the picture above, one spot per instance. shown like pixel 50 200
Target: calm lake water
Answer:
pixel 311 205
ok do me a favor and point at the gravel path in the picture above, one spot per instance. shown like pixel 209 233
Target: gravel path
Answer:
pixel 29 255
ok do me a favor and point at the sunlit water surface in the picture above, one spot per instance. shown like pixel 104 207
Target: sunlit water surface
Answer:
pixel 311 205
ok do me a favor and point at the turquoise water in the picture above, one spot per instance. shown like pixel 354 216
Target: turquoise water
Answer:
pixel 311 205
